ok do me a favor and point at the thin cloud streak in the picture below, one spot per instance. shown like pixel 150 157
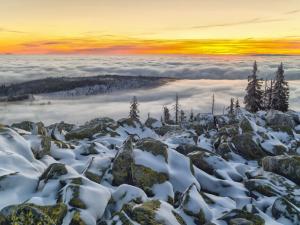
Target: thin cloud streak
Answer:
pixel 251 21
pixel 4 30
pixel 292 12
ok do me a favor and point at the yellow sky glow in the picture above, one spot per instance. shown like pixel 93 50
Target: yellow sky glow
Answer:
pixel 150 27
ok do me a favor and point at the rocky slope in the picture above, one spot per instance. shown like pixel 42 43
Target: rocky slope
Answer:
pixel 125 172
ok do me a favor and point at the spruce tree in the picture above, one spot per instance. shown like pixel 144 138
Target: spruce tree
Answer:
pixel 191 116
pixel 254 93
pixel 134 111
pixel 166 115
pixel 270 91
pixel 237 104
pixel 280 99
pixel 182 116
pixel 231 107
pixel 268 95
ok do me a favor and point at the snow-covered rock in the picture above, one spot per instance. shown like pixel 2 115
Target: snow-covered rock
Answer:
pixel 129 172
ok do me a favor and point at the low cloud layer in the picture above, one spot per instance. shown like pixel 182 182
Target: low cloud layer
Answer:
pixel 22 68
pixel 194 94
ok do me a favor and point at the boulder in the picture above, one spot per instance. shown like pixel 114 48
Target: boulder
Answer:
pixel 145 213
pixel 168 129
pixel 153 146
pixel 44 148
pixel 261 186
pixel 130 122
pixel 242 214
pixel 295 116
pixel 34 128
pixel 287 166
pixel 247 147
pixel 240 221
pixel 153 123
pixel 152 212
pixel 121 169
pixel 59 130
pixel 54 171
pixel 214 165
pixel 247 126
pixel 282 208
pixel 144 178
pixel 224 149
pixel 76 219
pixel 101 126
pixel 34 214
pixel 194 205
pixel 277 118
pixel 185 149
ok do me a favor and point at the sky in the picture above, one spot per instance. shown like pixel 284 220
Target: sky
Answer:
pixel 209 27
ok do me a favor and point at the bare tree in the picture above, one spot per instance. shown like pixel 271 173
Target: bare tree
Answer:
pixel 213 105
pixel 176 109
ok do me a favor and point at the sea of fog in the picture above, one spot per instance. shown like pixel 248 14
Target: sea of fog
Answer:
pixel 203 76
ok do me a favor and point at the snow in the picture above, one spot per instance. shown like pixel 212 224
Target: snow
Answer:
pixel 216 193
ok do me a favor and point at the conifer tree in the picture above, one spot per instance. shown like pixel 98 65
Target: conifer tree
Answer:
pixel 280 99
pixel 237 104
pixel 182 116
pixel 268 95
pixel 134 111
pixel 191 116
pixel 166 115
pixel 270 90
pixel 254 93
pixel 231 107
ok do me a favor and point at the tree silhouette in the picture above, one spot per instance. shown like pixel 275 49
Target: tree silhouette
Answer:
pixel 253 98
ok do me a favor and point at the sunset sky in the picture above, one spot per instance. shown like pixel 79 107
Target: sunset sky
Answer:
pixel 150 27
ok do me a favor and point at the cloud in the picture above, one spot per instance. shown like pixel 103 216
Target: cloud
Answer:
pixel 22 68
pixel 250 21
pixel 3 30
pixel 201 75
pixel 193 94
pixel 292 12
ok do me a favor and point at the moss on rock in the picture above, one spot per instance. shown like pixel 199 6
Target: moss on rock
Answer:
pixel 237 213
pixel 145 213
pixel 153 146
pixel 26 214
pixel 76 219
pixel 246 125
pixel 262 188
pixel 101 126
pixel 75 200
pixel 247 147
pixel 121 169
pixel 283 208
pixel 145 177
pixel 54 171
pixel 287 166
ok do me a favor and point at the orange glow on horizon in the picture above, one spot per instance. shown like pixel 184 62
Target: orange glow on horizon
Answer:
pixel 138 47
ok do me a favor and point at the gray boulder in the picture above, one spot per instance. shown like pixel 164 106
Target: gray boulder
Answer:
pixel 245 145
pixel 277 118
pixel 287 166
